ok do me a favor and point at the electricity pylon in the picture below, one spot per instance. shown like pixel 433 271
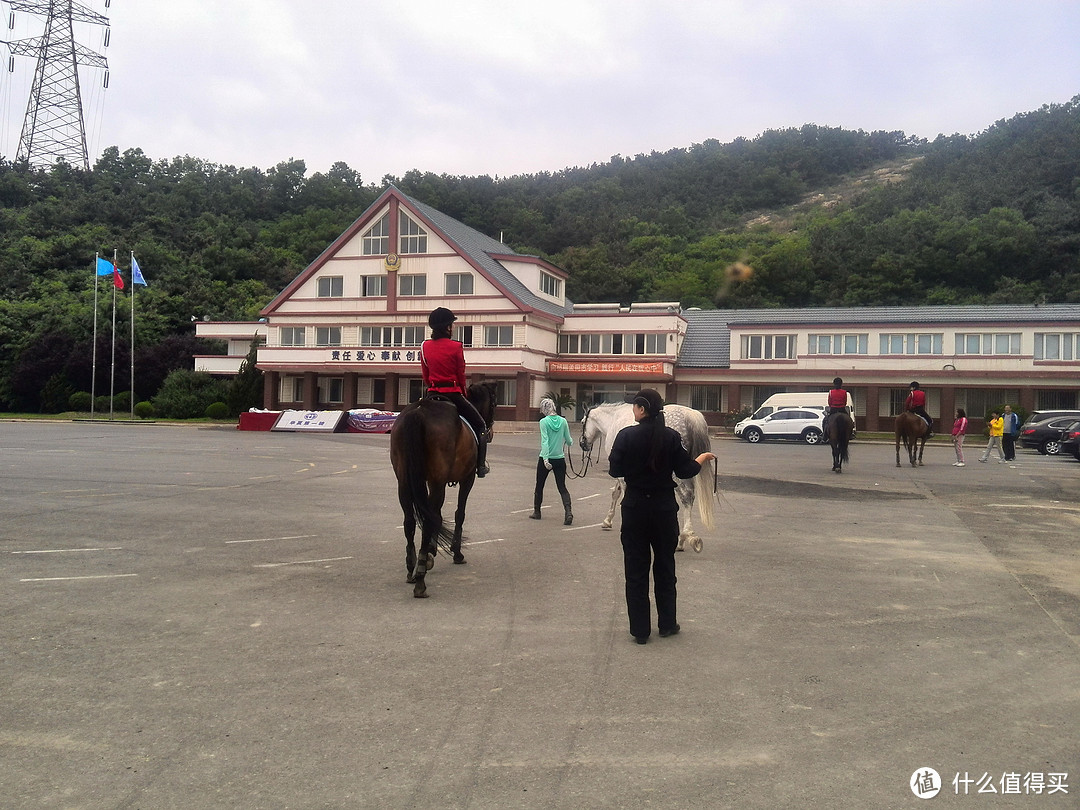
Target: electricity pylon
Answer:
pixel 54 128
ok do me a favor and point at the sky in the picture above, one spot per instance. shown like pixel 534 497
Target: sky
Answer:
pixel 499 87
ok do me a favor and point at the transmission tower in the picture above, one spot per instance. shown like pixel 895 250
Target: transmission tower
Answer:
pixel 54 128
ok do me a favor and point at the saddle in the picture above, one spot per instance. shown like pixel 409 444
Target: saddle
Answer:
pixel 435 396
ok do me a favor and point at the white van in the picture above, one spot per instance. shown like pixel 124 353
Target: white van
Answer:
pixel 818 400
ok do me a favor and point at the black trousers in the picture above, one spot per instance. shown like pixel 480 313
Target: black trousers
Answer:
pixel 558 469
pixel 1008 446
pixel 649 537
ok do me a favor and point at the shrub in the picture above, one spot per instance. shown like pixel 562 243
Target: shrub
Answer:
pixel 186 394
pixel 55 394
pixel 217 410
pixel 144 410
pixel 79 402
pixel 122 401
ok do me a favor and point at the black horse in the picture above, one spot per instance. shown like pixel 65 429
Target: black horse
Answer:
pixel 838 433
pixel 432 447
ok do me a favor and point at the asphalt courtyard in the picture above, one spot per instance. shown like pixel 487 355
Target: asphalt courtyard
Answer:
pixel 209 618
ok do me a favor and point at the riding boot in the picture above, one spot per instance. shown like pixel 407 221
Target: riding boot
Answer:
pixel 569 518
pixel 482 468
pixel 536 510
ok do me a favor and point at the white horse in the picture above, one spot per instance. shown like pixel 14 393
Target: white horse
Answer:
pixel 603 422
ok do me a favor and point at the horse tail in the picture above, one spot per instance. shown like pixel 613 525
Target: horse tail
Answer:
pixel 414 453
pixel 697 436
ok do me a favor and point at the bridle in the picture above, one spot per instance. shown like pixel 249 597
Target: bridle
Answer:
pixel 586 455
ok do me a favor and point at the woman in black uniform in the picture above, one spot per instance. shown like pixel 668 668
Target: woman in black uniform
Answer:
pixel 646 455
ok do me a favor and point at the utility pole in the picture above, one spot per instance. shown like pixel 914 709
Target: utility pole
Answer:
pixel 54 128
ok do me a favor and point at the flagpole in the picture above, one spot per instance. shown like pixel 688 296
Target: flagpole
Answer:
pixel 131 388
pixel 112 375
pixel 93 348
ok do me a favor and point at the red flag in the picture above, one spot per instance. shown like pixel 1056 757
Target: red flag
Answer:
pixel 117 279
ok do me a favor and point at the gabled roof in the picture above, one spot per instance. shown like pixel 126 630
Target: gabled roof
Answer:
pixel 477 248
pixel 708 332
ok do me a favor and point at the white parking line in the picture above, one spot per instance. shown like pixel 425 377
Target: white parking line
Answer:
pixel 65 579
pixel 66 550
pixel 301 562
pixel 271 539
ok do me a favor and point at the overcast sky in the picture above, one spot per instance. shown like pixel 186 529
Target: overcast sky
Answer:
pixel 502 87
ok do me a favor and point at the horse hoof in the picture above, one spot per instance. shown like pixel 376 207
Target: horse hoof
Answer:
pixel 459 560
pixel 410 579
pixel 696 544
pixel 429 563
pixel 420 594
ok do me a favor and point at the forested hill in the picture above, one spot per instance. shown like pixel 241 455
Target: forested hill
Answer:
pixel 825 216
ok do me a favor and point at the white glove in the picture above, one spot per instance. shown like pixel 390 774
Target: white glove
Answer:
pixel 547 464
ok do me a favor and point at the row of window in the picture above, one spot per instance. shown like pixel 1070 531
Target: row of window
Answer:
pixel 1048 345
pixel 383 336
pixel 331 390
pixel 408 284
pixel 600 343
pixel 411 237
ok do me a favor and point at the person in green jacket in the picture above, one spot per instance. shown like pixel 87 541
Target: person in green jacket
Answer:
pixel 554 437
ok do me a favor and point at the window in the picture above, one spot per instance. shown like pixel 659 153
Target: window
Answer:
pixel 391 335
pixel 911 343
pixel 331 287
pixel 705 397
pixel 1052 346
pixel 378 390
pixel 550 285
pixel 897 398
pixel 327 335
pixel 1055 399
pixel 836 344
pixel 292 389
pixel 498 336
pixel 376 240
pixel 371 286
pixel 459 284
pixel 462 334
pixel 505 392
pixel 335 390
pixel 292 336
pixel 416 389
pixel 412 285
pixel 978 402
pixel 412 237
pixel 987 343
pixel 768 347
pixel 581 344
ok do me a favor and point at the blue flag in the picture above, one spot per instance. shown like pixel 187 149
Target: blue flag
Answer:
pixel 136 272
pixel 104 267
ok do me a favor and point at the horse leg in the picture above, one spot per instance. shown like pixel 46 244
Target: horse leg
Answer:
pixel 897 451
pixel 686 506
pixel 459 520
pixel 409 513
pixel 922 446
pixel 616 496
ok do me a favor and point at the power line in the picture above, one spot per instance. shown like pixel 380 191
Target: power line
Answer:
pixel 54 127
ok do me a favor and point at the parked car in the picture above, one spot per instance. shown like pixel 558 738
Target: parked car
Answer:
pixel 1045 436
pixel 803 424
pixel 1070 440
pixel 1042 416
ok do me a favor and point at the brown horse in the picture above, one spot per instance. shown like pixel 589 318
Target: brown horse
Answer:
pixel 432 447
pixel 911 429
pixel 838 434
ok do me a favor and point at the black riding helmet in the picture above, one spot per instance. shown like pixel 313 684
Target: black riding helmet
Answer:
pixel 837 382
pixel 440 318
pixel 914 386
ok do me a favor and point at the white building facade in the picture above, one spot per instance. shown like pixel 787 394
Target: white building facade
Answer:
pixel 346 334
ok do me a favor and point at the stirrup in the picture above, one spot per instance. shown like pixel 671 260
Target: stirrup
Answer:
pixel 482 471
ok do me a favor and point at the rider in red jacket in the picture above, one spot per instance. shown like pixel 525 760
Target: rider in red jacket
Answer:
pixel 837 403
pixel 916 403
pixel 442 362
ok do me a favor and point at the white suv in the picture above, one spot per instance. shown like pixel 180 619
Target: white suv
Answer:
pixel 803 424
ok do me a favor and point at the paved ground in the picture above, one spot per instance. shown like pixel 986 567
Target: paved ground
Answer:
pixel 197 618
